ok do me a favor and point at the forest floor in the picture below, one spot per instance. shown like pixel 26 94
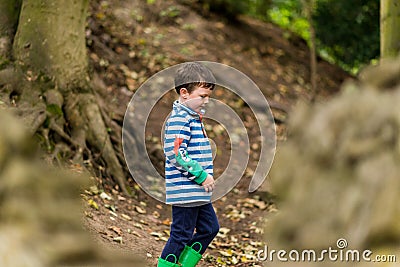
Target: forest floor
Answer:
pixel 130 40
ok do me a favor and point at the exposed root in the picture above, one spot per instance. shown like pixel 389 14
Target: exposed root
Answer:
pixel 34 117
pixel 98 136
pixel 78 119
pixel 114 133
pixel 88 125
pixel 10 76
pixel 55 127
pixel 77 125
pixel 9 79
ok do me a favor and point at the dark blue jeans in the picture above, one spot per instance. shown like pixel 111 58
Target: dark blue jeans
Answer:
pixel 184 222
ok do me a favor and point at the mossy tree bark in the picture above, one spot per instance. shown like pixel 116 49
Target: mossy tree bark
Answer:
pixel 9 12
pixel 54 93
pixel 390 25
pixel 50 39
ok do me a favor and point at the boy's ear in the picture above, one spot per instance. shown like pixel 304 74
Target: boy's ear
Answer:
pixel 184 92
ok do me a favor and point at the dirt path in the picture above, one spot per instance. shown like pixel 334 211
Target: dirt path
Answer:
pixel 141 226
pixel 131 40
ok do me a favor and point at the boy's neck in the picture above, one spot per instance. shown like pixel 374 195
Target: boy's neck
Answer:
pixel 182 102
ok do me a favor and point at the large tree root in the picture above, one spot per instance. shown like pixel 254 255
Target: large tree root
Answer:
pixel 72 118
pixel 98 137
pixel 83 112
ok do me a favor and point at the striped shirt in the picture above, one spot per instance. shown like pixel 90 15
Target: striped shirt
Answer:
pixel 185 141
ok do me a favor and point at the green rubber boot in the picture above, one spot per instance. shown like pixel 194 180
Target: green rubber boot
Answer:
pixel 165 263
pixel 189 256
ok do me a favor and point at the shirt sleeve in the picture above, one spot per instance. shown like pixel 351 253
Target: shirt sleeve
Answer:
pixel 179 156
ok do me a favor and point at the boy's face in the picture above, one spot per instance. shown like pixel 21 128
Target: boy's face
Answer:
pixel 197 99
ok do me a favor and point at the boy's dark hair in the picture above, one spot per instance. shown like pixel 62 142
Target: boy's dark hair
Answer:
pixel 192 74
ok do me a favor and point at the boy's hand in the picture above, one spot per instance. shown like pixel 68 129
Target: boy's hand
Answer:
pixel 209 183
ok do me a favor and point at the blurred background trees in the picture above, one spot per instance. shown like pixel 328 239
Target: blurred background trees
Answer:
pixel 347 32
pixel 390 25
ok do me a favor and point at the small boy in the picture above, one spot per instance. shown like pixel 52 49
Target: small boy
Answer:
pixel 189 169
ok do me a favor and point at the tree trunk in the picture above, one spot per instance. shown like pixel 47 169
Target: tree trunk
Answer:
pixel 390 25
pixel 50 39
pixel 308 6
pixel 9 12
pixel 50 50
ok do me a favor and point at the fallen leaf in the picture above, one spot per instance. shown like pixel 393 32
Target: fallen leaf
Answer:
pixel 111 207
pixel 118 239
pixel 140 210
pixel 116 229
pixel 94 190
pixel 226 253
pixel 138 225
pixel 223 231
pixel 113 213
pixel 93 204
pixel 121 198
pixel 156 234
pixel 221 261
pixel 234 260
pixel 104 195
pixel 166 222
pixel 136 234
pixel 244 259
pixel 126 217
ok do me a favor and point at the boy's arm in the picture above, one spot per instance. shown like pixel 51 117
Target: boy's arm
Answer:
pixel 180 131
pixel 189 164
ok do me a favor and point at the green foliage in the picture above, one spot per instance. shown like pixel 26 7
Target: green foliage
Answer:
pixel 170 12
pixel 288 14
pixel 54 110
pixel 348 30
pixel 259 8
pixel 232 8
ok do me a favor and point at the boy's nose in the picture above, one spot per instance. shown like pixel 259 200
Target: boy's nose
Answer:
pixel 206 100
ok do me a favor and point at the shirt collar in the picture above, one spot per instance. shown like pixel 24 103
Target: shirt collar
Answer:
pixel 179 106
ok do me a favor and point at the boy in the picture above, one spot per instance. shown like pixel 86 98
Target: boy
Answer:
pixel 189 170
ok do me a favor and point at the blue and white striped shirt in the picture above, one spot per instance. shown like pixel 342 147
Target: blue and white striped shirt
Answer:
pixel 184 132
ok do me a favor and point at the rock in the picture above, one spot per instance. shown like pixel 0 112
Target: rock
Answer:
pixel 41 219
pixel 338 175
